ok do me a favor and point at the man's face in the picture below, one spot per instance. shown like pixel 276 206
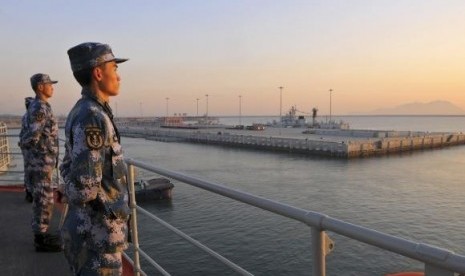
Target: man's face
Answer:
pixel 46 90
pixel 109 82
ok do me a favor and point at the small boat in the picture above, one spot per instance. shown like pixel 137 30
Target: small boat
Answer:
pixel 255 127
pixel 236 127
pixel 153 189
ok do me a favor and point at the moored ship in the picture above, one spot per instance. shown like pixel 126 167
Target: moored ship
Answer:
pixel 292 120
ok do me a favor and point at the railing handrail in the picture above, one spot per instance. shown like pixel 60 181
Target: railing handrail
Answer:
pixel 195 242
pixel 428 254
pixel 8 135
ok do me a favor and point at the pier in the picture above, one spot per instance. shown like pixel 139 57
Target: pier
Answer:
pixel 340 143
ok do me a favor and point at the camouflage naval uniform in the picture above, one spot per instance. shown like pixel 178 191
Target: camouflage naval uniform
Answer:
pixel 40 140
pixel 95 229
pixel 24 151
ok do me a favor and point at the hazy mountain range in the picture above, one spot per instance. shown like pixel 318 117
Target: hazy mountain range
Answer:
pixel 431 108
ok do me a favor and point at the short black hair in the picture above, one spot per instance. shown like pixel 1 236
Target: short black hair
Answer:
pixel 84 76
pixel 34 86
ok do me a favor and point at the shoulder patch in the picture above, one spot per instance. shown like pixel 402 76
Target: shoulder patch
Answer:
pixel 39 116
pixel 94 138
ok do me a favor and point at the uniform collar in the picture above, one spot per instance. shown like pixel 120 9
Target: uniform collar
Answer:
pixel 86 92
pixel 37 98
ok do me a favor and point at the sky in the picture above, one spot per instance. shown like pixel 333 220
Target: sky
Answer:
pixel 372 54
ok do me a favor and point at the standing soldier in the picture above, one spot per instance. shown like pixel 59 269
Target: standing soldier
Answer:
pixel 24 128
pixel 40 141
pixel 95 230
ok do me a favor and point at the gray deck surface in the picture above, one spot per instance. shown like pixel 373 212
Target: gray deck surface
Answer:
pixel 17 254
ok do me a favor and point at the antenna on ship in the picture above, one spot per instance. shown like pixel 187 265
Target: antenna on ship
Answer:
pixel 314 112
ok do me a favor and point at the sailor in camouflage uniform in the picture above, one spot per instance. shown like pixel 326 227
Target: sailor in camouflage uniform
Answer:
pixel 40 141
pixel 95 229
pixel 27 174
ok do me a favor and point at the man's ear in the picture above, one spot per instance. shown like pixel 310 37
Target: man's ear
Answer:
pixel 40 87
pixel 97 73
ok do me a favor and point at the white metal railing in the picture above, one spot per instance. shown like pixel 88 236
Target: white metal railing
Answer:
pixel 437 261
pixel 4 147
pixel 135 238
pixel 6 153
pixel 14 150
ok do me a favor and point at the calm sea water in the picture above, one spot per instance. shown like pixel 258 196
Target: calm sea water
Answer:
pixel 418 196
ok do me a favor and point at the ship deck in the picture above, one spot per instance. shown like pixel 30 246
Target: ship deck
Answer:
pixel 17 254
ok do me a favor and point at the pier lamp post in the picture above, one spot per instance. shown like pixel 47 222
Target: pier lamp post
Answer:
pixel 280 108
pixel 206 114
pixel 330 92
pixel 198 107
pixel 140 109
pixel 167 106
pixel 240 109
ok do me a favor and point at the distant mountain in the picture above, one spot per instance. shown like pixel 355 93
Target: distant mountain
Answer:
pixel 431 108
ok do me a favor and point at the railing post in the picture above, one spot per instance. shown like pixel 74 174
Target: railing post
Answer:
pixel 318 252
pixel 134 233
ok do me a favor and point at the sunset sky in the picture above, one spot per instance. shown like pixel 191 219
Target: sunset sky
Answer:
pixel 373 54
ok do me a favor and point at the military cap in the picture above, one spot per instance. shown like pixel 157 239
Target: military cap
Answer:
pixel 41 79
pixel 91 54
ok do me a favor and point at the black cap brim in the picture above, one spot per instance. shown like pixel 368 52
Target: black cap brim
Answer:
pixel 120 60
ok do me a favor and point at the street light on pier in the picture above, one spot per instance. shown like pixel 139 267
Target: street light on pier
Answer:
pixel 330 92
pixel 240 110
pixel 167 106
pixel 198 107
pixel 140 108
pixel 206 114
pixel 280 108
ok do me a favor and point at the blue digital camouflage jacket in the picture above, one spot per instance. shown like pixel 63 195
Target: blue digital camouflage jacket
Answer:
pixel 94 173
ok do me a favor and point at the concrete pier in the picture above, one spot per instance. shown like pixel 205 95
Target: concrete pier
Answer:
pixel 323 142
